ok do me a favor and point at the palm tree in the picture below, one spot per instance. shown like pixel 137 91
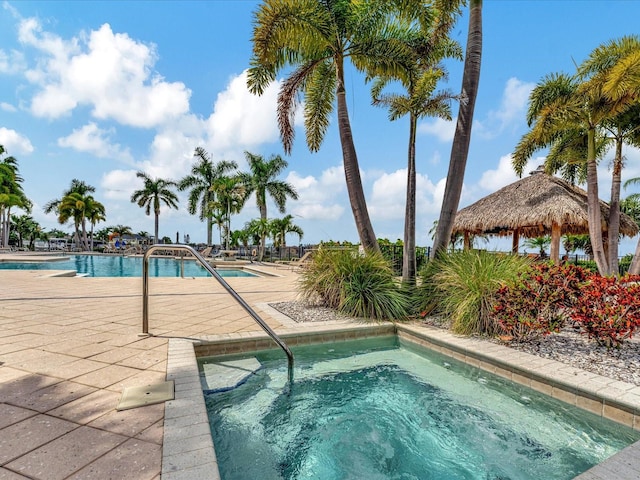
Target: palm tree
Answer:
pixel 462 136
pixel 576 107
pixel 280 227
pixel 430 45
pixel 258 229
pixel 539 243
pixel 624 128
pixel 11 194
pixel 316 38
pixel 94 212
pixel 203 176
pixel 72 207
pixel 155 192
pixel 262 179
pixel 232 194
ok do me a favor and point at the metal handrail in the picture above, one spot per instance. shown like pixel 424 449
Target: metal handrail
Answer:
pixel 227 287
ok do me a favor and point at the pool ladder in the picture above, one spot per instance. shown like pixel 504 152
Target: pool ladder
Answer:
pixel 227 287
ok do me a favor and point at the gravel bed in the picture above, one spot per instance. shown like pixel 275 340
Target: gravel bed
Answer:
pixel 567 347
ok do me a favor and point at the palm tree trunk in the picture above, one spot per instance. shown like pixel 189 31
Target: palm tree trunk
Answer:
pixel 409 248
pixel 352 170
pixel 263 234
pixel 156 227
pixel 593 207
pixel 462 137
pixel 614 211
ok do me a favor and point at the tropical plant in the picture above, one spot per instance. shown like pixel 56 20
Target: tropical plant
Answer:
pixel 623 128
pixel 72 206
pixel 539 243
pixel 95 212
pixel 316 38
pixel 579 107
pixel 355 285
pixel 462 136
pixel 231 195
pixel 280 227
pixel 258 228
pixel 26 228
pixel 540 302
pixel 200 182
pixel 631 206
pixel 153 194
pixel 262 179
pixel 462 286
pixel 11 194
pixel 430 45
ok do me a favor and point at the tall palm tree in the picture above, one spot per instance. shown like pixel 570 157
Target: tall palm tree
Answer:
pixel 203 176
pixel 153 194
pixel 280 227
pixel 561 104
pixel 262 179
pixel 624 128
pixel 430 45
pixel 231 195
pixel 316 38
pixel 462 136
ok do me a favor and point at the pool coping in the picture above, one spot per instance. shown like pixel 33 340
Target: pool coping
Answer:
pixel 188 450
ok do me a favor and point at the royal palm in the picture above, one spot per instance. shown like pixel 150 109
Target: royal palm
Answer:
pixel 153 194
pixel 200 182
pixel 262 179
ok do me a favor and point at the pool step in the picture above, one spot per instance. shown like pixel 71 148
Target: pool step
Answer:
pixel 227 375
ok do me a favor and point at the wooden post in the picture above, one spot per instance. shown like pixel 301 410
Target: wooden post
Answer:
pixel 516 241
pixel 467 241
pixel 556 231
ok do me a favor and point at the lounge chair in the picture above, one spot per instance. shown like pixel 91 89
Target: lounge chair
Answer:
pixel 206 252
pixel 303 261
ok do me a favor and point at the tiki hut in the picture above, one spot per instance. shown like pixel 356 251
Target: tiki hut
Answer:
pixel 534 206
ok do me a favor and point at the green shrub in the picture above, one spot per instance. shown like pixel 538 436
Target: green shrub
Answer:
pixel 462 286
pixel 355 285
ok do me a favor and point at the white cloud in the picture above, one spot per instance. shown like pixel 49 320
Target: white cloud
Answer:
pixel 493 180
pixel 241 118
pixel 319 199
pixel 92 139
pixel 7 107
pixel 511 112
pixel 14 143
pixel 388 198
pixel 442 129
pixel 110 72
pixel 11 62
pixel 119 184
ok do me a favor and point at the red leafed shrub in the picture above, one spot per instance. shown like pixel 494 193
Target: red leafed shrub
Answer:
pixel 539 303
pixel 608 309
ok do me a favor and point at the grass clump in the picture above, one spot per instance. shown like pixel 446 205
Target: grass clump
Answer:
pixel 462 287
pixel 355 285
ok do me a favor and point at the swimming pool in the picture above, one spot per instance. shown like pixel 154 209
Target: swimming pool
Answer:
pixel 121 266
pixel 382 409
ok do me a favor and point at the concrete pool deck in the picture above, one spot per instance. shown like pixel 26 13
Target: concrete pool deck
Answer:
pixel 69 346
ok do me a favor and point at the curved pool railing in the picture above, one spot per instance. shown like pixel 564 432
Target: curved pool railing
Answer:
pixel 227 287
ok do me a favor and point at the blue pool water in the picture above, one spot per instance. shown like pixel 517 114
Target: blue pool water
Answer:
pixel 376 410
pixel 121 266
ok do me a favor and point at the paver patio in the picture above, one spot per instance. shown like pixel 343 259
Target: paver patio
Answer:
pixel 70 345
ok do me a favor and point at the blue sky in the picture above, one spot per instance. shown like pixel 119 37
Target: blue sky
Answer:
pixel 99 90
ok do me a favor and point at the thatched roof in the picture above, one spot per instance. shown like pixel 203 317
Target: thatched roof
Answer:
pixel 532 205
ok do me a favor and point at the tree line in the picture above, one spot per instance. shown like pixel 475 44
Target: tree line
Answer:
pixel 216 191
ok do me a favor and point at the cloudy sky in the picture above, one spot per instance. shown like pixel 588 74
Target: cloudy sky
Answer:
pixel 97 90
